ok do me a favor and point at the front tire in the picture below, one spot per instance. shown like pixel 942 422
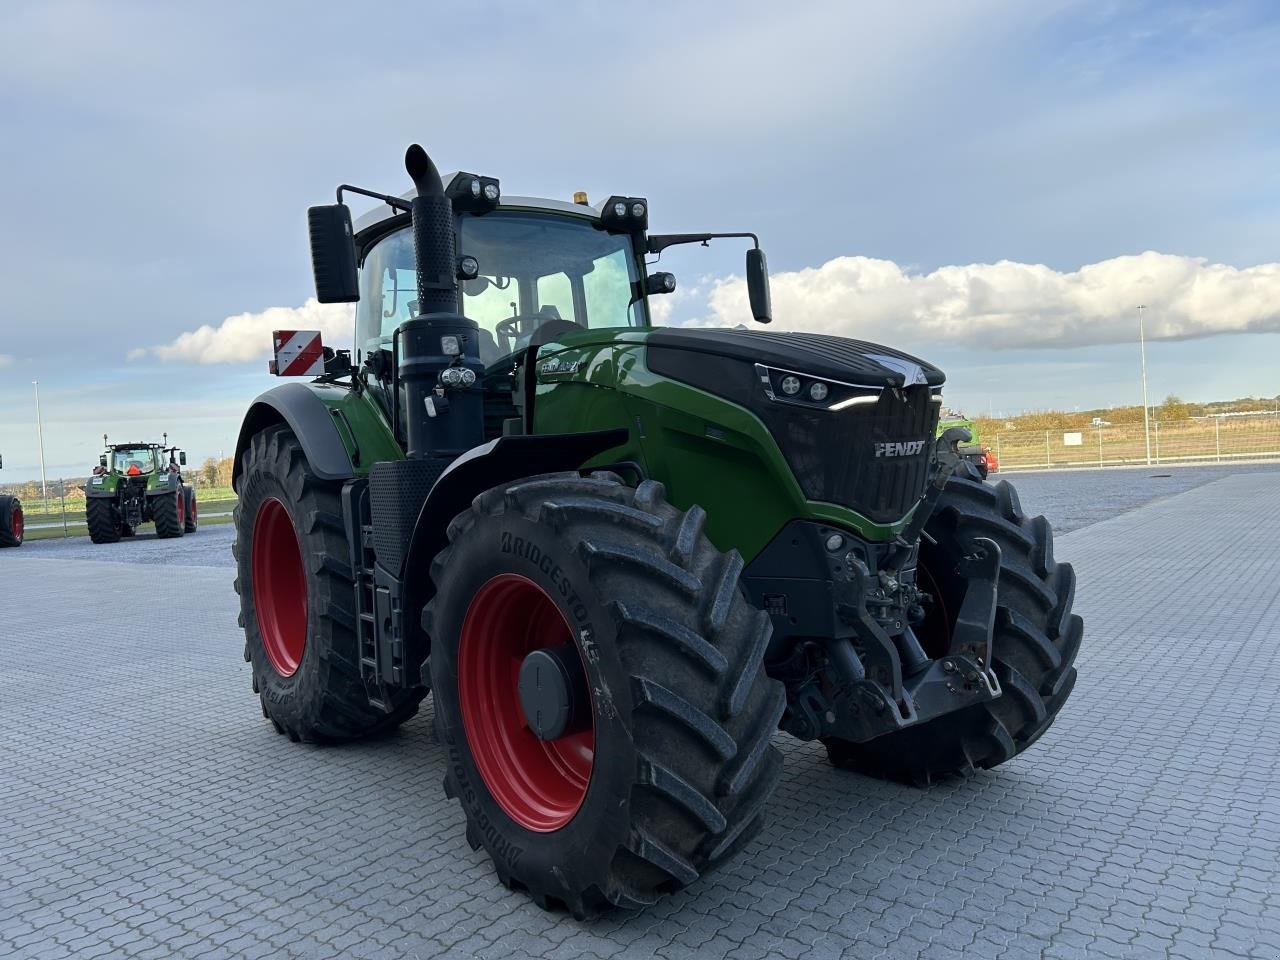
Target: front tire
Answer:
pixel 672 765
pixel 297 599
pixel 1034 645
pixel 192 520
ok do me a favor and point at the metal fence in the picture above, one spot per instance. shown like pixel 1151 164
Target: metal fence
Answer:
pixel 1203 440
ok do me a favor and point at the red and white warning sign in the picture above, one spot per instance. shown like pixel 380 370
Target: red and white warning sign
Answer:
pixel 299 353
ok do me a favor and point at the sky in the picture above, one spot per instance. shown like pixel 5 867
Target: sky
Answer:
pixel 992 185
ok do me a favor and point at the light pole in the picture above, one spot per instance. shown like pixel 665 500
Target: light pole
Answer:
pixel 1146 410
pixel 44 484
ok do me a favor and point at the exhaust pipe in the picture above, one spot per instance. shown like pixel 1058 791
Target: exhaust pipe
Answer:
pixel 438 351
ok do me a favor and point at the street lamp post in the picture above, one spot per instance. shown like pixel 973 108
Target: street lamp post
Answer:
pixel 44 484
pixel 1146 409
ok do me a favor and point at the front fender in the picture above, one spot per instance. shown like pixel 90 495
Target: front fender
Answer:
pixel 498 461
pixel 308 416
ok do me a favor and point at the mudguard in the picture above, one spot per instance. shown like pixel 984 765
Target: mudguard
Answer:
pixel 309 419
pixel 485 466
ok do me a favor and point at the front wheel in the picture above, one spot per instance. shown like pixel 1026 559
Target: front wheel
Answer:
pixel 598 686
pixel 103 520
pixel 192 521
pixel 1033 649
pixel 297 599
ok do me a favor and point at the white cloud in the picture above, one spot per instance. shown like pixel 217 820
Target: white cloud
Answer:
pixel 247 336
pixel 5 361
pixel 1007 304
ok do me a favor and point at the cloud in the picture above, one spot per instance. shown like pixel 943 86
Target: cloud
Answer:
pixel 5 361
pixel 1007 304
pixel 247 336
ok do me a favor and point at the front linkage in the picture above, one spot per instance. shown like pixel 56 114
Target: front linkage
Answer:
pixel 875 677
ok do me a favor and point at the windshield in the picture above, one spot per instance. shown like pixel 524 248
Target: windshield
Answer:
pixel 535 270
pixel 133 461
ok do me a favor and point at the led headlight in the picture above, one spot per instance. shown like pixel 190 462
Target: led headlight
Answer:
pixel 619 209
pixel 491 192
pixel 818 392
pixel 637 210
pixel 790 385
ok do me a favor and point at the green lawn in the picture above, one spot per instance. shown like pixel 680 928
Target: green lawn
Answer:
pixel 75 526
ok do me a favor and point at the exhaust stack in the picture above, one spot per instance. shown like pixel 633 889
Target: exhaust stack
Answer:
pixel 439 350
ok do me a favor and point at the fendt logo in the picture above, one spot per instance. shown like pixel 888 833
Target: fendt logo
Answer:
pixel 899 448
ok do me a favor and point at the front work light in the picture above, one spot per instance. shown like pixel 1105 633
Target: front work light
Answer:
pixel 473 193
pixel 625 214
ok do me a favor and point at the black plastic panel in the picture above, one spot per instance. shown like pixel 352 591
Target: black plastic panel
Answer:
pixel 397 491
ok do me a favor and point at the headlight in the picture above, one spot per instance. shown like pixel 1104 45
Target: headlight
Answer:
pixel 790 385
pixel 818 392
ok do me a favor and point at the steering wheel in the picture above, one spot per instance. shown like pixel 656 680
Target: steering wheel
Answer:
pixel 513 328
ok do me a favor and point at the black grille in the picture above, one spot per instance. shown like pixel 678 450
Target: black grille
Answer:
pixel 397 490
pixel 833 453
pixel 848 456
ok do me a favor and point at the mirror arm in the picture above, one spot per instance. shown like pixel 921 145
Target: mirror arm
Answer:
pixel 394 202
pixel 660 241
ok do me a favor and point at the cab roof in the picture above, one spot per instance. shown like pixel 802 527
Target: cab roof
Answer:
pixel 382 213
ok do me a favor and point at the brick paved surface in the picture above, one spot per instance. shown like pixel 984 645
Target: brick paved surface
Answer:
pixel 146 808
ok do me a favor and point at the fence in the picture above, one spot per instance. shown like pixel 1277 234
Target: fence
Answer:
pixel 61 513
pixel 1205 440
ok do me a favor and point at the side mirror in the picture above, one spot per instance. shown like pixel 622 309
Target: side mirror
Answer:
pixel 102 460
pixel 758 285
pixel 182 458
pixel 333 253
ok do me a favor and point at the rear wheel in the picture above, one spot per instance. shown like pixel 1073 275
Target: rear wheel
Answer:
pixel 169 510
pixel 192 521
pixel 103 520
pixel 598 684
pixel 1034 645
pixel 297 598
pixel 12 522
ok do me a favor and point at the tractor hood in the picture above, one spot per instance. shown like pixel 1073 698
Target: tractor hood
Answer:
pixel 855 421
pixel 819 355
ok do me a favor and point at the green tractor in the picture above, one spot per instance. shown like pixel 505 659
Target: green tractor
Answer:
pixel 136 483
pixel 621 558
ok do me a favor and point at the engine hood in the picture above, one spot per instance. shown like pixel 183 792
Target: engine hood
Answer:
pixel 820 355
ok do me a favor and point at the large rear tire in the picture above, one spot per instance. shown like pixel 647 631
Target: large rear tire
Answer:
pixel 169 511
pixel 671 765
pixel 12 521
pixel 102 519
pixel 1034 646
pixel 297 599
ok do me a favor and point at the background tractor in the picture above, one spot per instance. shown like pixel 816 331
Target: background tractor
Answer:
pixel 621 557
pixel 972 451
pixel 136 483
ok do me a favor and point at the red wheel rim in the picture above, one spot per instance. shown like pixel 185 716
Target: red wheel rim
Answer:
pixel 182 507
pixel 17 523
pixel 539 783
pixel 195 514
pixel 279 587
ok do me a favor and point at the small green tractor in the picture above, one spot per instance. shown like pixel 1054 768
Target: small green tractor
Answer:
pixel 136 483
pixel 621 558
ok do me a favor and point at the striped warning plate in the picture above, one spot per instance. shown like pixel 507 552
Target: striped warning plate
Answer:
pixel 299 353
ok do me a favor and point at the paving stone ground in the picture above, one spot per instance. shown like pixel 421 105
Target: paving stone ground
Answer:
pixel 147 809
